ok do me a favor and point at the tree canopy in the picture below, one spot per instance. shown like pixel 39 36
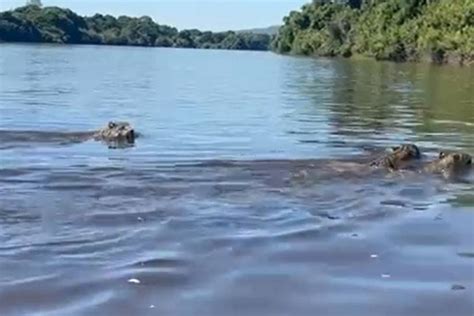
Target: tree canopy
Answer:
pixel 32 23
pixel 398 30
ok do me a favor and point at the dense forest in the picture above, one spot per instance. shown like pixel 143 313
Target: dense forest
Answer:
pixel 397 30
pixel 32 23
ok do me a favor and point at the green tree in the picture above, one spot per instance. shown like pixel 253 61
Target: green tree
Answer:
pixel 398 30
pixel 32 23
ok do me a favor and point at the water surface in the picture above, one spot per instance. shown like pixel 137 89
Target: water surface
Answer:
pixel 225 205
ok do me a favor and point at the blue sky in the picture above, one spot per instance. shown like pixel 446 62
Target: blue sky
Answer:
pixel 216 15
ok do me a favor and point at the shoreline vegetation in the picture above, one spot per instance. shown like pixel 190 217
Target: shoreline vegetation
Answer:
pixel 438 31
pixel 32 23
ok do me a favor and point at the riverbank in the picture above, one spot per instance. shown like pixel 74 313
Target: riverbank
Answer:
pixel 401 31
pixel 57 25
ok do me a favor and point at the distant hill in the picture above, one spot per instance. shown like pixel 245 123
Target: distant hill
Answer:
pixel 271 30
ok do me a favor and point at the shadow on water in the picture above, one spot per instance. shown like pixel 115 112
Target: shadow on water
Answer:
pixel 11 139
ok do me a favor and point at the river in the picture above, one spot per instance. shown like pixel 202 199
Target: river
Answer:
pixel 208 213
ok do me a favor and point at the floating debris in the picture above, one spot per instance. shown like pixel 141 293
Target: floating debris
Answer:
pixel 386 276
pixel 134 281
pixel 466 254
pixel 458 287
pixel 374 255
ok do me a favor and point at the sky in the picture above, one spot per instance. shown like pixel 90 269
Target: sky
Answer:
pixel 214 15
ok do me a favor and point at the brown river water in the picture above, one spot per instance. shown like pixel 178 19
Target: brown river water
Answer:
pixel 226 204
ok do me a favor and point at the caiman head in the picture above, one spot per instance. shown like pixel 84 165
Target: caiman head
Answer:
pixel 398 156
pixel 453 163
pixel 406 152
pixel 117 132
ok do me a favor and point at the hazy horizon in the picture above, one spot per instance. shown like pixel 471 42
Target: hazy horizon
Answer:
pixel 185 14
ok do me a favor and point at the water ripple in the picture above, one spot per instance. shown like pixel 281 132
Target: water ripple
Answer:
pixel 232 192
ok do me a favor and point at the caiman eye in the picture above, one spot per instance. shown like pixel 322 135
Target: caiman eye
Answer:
pixel 131 135
pixel 416 152
pixel 442 155
pixel 112 124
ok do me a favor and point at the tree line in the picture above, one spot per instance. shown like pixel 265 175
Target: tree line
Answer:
pixel 32 23
pixel 397 30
